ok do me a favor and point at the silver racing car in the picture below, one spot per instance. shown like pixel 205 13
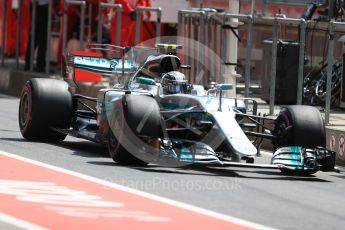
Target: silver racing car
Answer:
pixel 152 114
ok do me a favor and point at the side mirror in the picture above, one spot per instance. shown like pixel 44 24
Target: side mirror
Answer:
pixel 145 81
pixel 224 86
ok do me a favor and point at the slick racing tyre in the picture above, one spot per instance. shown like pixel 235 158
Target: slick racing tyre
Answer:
pixel 44 104
pixel 299 125
pixel 135 123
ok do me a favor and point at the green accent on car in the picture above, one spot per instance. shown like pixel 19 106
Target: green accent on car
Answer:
pixel 224 86
pixel 175 105
pixel 145 81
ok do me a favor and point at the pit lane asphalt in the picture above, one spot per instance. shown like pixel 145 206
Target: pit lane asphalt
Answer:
pixel 259 195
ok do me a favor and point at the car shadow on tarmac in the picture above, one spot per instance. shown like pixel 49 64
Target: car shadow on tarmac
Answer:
pixel 85 148
pixel 341 176
pixel 14 139
pixel 262 174
pixel 79 148
pixel 92 150
pixel 208 171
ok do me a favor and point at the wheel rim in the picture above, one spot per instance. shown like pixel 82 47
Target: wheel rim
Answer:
pixel 24 109
pixel 280 130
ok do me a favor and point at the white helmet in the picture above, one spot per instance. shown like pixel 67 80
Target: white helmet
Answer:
pixel 174 82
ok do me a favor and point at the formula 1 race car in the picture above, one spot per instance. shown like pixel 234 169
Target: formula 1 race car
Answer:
pixel 153 115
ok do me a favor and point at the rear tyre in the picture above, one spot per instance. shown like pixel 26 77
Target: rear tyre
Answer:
pixel 135 120
pixel 44 104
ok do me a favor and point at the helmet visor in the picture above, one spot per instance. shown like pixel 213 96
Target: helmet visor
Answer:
pixel 176 88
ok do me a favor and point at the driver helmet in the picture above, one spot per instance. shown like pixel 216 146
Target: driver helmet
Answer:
pixel 174 82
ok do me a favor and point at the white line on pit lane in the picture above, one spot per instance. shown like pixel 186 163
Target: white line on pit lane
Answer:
pixel 175 203
pixel 18 223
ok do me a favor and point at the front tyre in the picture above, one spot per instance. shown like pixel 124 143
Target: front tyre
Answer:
pixel 134 130
pixel 44 104
pixel 120 155
pixel 299 125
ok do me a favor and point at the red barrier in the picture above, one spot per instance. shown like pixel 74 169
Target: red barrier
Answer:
pixel 128 24
pixel 11 27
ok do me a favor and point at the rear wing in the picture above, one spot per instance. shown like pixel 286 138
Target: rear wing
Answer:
pixel 101 64
pixel 110 60
pixel 101 60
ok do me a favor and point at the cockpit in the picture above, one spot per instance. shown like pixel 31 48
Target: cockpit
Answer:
pixel 162 70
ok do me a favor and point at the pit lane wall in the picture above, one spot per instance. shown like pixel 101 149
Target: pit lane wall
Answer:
pixel 12 81
pixel 335 140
